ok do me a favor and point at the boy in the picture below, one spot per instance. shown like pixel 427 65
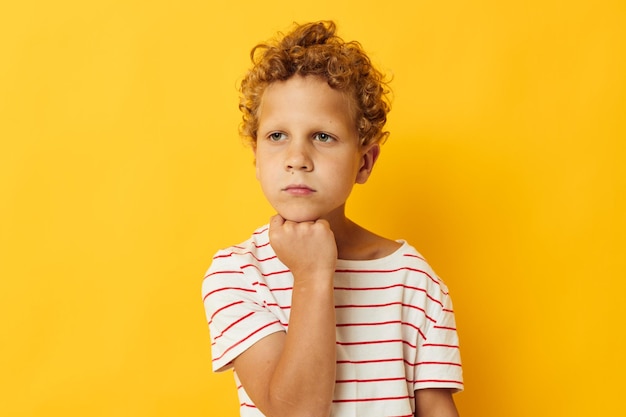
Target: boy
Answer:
pixel 317 315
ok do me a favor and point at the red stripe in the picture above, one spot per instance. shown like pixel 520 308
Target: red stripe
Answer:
pixel 278 305
pixel 344 381
pixel 263 284
pixel 225 289
pixel 387 271
pixel 438 363
pixel 387 305
pixel 445 328
pixel 375 342
pixel 239 320
pixel 228 255
pixel 257 304
pixel 254 243
pixel 267 274
pixel 391 286
pixel 371 360
pixel 367 361
pixel 410 255
pixel 350 289
pixel 222 272
pixel 358 400
pixel 383 323
pixel 444 381
pixel 440 345
pixel 224 308
pixel 379 288
pixel 244 339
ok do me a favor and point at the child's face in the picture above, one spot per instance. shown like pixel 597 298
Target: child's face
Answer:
pixel 307 151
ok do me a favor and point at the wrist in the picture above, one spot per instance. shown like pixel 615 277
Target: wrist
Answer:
pixel 314 281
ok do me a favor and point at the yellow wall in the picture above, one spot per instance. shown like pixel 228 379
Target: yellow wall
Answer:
pixel 121 173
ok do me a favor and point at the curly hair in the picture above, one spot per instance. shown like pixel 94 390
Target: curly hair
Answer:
pixel 314 49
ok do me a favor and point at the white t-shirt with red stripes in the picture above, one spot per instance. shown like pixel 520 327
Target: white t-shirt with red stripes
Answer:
pixel 396 331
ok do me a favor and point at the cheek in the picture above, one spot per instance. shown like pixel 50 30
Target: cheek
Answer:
pixel 346 176
pixel 261 163
pixel 266 169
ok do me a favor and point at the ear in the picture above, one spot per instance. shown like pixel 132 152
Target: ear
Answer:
pixel 256 167
pixel 368 159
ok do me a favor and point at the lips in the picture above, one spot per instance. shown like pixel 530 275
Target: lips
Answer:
pixel 298 189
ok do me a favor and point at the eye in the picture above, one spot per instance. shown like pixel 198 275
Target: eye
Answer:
pixel 276 136
pixel 323 137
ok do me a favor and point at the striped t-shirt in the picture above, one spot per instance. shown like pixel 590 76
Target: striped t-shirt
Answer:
pixel 396 331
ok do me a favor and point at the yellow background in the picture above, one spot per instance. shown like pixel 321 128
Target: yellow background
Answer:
pixel 121 173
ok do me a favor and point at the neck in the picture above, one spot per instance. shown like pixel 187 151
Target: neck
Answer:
pixel 356 242
pixel 343 228
pixel 349 236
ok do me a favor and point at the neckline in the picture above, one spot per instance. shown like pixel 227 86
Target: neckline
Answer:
pixel 353 262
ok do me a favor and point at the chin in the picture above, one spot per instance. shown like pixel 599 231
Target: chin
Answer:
pixel 299 217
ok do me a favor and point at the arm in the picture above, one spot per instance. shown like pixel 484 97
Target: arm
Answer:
pixel 293 374
pixel 435 402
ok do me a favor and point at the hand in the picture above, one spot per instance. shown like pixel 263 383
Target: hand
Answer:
pixel 306 248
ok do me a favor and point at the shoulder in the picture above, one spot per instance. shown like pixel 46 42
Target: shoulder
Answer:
pixel 412 268
pixel 416 261
pixel 360 244
pixel 230 262
pixel 400 259
pixel 256 246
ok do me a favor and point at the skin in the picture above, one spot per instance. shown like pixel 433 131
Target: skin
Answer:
pixel 435 403
pixel 308 159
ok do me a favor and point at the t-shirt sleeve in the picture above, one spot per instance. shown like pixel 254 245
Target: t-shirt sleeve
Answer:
pixel 237 315
pixel 438 363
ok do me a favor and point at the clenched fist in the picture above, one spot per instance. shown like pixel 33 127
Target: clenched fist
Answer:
pixel 308 249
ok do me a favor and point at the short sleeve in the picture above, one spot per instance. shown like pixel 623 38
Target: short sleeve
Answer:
pixel 438 363
pixel 237 314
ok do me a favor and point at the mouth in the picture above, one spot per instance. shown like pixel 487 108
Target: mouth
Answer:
pixel 298 189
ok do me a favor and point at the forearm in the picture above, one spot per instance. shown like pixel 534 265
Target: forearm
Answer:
pixel 435 402
pixel 293 374
pixel 304 378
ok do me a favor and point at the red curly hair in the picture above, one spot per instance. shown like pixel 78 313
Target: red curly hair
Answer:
pixel 315 49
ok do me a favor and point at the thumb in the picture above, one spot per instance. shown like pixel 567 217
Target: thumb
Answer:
pixel 276 221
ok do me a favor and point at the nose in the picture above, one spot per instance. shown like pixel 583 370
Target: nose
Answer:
pixel 298 157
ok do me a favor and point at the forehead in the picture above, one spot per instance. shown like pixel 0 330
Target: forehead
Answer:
pixel 307 97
